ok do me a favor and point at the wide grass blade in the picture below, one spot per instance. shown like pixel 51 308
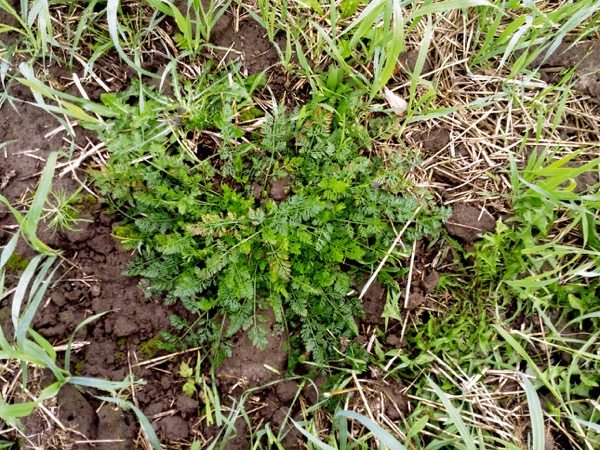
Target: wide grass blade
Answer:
pixel 38 289
pixel 104 385
pixel 144 422
pixel 67 103
pixel 454 416
pixel 77 328
pixel 28 223
pixel 112 8
pixel 22 285
pixel 536 415
pixel 8 250
pixel 382 435
pixel 312 439
pixel 16 410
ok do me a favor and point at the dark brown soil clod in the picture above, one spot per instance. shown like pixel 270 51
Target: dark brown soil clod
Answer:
pixel 468 222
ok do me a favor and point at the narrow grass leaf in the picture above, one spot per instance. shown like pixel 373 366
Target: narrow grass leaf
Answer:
pixel 38 289
pixel 395 47
pixel 515 39
pixel 22 285
pixel 454 416
pixel 39 89
pixel 523 353
pixel 10 10
pixel 163 6
pixel 112 8
pixel 333 50
pixel 8 250
pixel 143 420
pixel 32 352
pixel 449 5
pixel 593 426
pixel 32 218
pixel 82 324
pixel 576 18
pixel 417 427
pixel 365 20
pixel 421 58
pixel 382 435
pixel 9 412
pixel 44 344
pixel 312 439
pixel 536 414
pixel 104 385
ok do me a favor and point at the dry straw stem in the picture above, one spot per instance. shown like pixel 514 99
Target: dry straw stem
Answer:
pixel 373 277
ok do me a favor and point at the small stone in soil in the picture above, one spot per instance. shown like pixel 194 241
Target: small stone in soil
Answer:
pixel 113 426
pixel 174 427
pixel 280 188
pixel 395 341
pixel 430 282
pixel 76 412
pixel 186 405
pixel 286 391
pixel 102 243
pixel 124 327
pixel 311 390
pixel 58 298
pixel 415 300
pixel 279 416
pixel 468 222
pixel 374 302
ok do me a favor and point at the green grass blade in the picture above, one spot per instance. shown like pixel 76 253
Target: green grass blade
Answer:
pixel 144 422
pixel 10 10
pixel 449 5
pixel 112 9
pixel 31 220
pixel 395 48
pixel 103 385
pixel 22 285
pixel 536 415
pixel 523 353
pixel 16 410
pixel 38 289
pixel 8 250
pixel 312 439
pixel 365 20
pixel 44 344
pixel 421 58
pixel 77 328
pixel 31 352
pixel 454 416
pixel 593 426
pixel 382 435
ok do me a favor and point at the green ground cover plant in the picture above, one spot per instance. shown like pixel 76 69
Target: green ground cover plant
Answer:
pixel 285 217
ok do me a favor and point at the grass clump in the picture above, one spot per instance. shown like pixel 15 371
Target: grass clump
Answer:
pixel 284 212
